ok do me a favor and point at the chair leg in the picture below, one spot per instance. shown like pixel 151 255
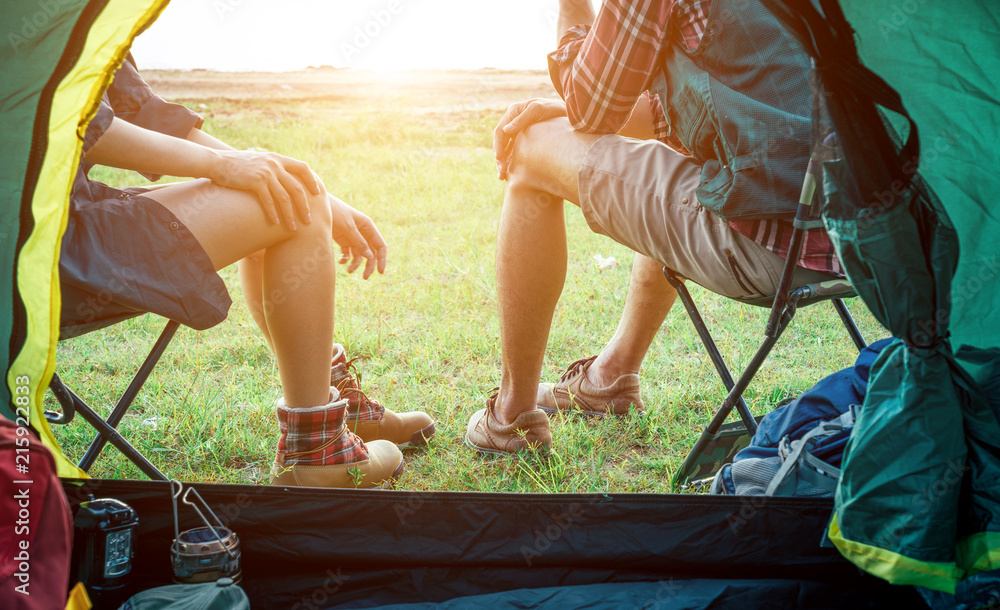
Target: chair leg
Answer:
pixel 704 456
pixel 65 398
pixel 108 433
pixel 714 355
pixel 736 392
pixel 852 327
pixel 106 430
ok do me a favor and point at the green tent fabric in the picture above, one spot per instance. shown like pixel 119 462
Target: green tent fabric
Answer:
pixel 919 498
pixel 946 513
pixel 944 59
pixel 58 58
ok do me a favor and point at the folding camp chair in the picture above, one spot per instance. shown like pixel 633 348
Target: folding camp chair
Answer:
pixel 719 442
pixel 72 404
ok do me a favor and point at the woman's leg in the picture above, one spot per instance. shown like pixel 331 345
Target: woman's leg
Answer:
pixel 366 417
pixel 297 279
pixel 315 447
pixel 252 281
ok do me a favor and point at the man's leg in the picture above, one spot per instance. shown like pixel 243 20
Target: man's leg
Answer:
pixel 531 269
pixel 639 193
pixel 531 254
pixel 647 304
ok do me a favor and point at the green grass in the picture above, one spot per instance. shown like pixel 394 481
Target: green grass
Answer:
pixel 428 328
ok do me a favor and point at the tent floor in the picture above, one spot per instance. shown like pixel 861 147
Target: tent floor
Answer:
pixel 315 548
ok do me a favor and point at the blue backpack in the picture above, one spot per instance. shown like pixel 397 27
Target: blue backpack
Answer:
pixel 798 447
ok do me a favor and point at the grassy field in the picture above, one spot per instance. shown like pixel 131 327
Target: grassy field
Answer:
pixel 414 152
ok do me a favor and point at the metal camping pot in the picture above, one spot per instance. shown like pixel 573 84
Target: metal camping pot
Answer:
pixel 203 554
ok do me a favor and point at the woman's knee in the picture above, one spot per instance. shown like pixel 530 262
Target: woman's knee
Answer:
pixel 320 225
pixel 257 258
pixel 208 195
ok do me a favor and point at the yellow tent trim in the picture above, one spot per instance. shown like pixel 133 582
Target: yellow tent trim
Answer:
pixel 893 567
pixel 74 104
pixel 979 552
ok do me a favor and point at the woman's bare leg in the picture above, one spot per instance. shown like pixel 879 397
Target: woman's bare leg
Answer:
pixel 297 279
pixel 252 281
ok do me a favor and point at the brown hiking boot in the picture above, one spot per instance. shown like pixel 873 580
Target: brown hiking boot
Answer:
pixel 529 432
pixel 370 420
pixel 575 393
pixel 380 471
pixel 317 450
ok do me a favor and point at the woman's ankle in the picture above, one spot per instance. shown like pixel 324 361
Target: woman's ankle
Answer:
pixel 317 436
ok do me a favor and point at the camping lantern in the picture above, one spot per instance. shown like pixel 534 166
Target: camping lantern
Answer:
pixel 104 545
pixel 203 554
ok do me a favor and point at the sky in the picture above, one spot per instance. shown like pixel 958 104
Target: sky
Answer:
pixel 278 35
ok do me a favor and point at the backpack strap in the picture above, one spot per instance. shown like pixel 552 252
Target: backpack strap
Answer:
pixel 817 472
pixel 798 463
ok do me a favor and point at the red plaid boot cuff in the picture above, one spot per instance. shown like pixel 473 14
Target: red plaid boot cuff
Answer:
pixel 359 406
pixel 317 436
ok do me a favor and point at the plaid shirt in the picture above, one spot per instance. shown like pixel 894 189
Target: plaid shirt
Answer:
pixel 602 70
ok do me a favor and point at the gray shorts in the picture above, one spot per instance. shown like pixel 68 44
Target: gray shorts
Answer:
pixel 124 254
pixel 641 193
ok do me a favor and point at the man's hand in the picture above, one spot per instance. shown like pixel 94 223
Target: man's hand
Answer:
pixel 358 238
pixel 519 116
pixel 279 182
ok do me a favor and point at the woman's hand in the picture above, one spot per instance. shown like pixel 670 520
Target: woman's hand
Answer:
pixel 358 238
pixel 519 116
pixel 279 182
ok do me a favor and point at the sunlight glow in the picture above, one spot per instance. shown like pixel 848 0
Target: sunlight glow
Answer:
pixel 267 35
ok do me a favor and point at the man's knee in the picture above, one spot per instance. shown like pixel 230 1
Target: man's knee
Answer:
pixel 531 146
pixel 547 156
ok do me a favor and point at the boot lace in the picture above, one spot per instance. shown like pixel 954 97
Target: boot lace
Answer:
pixel 576 368
pixel 349 385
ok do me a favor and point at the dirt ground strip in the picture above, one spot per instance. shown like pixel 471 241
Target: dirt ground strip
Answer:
pixel 430 91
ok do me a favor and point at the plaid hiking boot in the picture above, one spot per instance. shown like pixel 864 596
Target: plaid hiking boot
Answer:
pixel 317 450
pixel 370 420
